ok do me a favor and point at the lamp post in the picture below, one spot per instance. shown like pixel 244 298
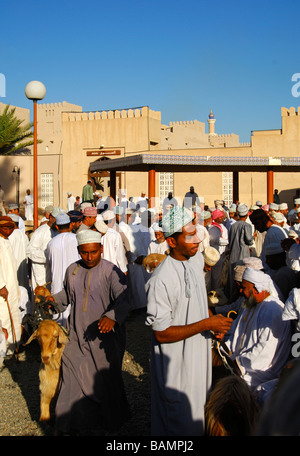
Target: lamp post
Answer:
pixel 35 90
pixel 17 170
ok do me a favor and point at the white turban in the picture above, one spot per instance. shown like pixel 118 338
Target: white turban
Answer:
pixel 56 211
pixel 84 205
pixel 108 215
pixel 278 217
pixel 156 227
pixel 211 256
pixel 205 215
pixel 253 262
pixel 283 206
pixel 238 272
pixel 260 280
pixel 242 210
pixel 274 207
pixel 247 262
pixel 101 226
pixel 62 219
pixel 14 217
pixel 88 237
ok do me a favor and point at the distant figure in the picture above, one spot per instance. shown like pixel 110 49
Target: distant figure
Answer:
pixel 131 203
pixel 77 203
pixel 87 192
pixel 191 199
pixel 13 208
pixel 70 202
pixel 28 202
pixel 124 203
pixel 142 201
pixel 169 202
pixel 276 198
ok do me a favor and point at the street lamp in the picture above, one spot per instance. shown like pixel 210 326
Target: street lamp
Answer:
pixel 35 90
pixel 17 170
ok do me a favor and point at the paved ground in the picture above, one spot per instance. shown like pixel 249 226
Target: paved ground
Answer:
pixel 19 387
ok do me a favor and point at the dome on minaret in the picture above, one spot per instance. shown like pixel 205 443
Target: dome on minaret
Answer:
pixel 211 115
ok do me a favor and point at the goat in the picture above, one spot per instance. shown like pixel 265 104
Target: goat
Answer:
pixel 216 298
pixel 231 409
pixel 151 261
pixel 41 292
pixel 52 339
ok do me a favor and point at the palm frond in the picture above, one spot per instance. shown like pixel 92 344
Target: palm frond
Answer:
pixel 14 137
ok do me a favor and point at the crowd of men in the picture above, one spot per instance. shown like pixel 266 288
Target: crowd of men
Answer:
pixel 91 257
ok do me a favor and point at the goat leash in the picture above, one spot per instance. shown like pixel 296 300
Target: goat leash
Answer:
pixel 41 312
pixel 218 344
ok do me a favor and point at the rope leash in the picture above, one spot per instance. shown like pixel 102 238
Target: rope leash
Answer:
pixel 42 311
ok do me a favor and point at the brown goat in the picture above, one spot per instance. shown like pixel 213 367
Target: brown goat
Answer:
pixel 231 409
pixel 52 339
pixel 41 292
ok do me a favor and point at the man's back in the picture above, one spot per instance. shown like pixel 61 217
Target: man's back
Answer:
pixel 87 193
pixel 38 243
pixel 240 239
pixel 274 235
pixel 61 252
pixel 113 249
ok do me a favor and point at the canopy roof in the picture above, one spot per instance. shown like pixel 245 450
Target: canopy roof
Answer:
pixel 193 163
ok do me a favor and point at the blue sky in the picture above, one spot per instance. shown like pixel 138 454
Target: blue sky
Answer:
pixel 178 57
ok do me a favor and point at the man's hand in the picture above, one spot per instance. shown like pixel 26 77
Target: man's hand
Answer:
pixel 4 293
pixel 105 324
pixel 49 298
pixel 219 325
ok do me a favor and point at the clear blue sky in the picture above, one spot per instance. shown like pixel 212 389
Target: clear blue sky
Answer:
pixel 179 57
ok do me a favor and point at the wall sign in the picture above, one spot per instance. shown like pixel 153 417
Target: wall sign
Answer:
pixel 101 153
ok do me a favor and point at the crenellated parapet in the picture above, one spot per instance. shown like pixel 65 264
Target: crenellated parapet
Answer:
pixel 285 112
pixel 229 139
pixel 187 123
pixel 52 105
pixel 131 113
pixel 52 109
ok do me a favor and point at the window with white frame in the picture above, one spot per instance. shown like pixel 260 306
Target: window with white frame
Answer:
pixel 166 185
pixel 47 190
pixel 227 188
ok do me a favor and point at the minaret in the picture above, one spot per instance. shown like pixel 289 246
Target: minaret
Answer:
pixel 211 123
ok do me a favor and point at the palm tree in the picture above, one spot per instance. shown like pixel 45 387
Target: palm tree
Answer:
pixel 13 135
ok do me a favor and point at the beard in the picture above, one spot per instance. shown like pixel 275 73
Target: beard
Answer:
pixel 250 302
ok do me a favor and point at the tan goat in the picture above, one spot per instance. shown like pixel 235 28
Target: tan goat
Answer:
pixel 52 339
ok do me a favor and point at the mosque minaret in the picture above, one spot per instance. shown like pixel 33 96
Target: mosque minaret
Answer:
pixel 211 123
